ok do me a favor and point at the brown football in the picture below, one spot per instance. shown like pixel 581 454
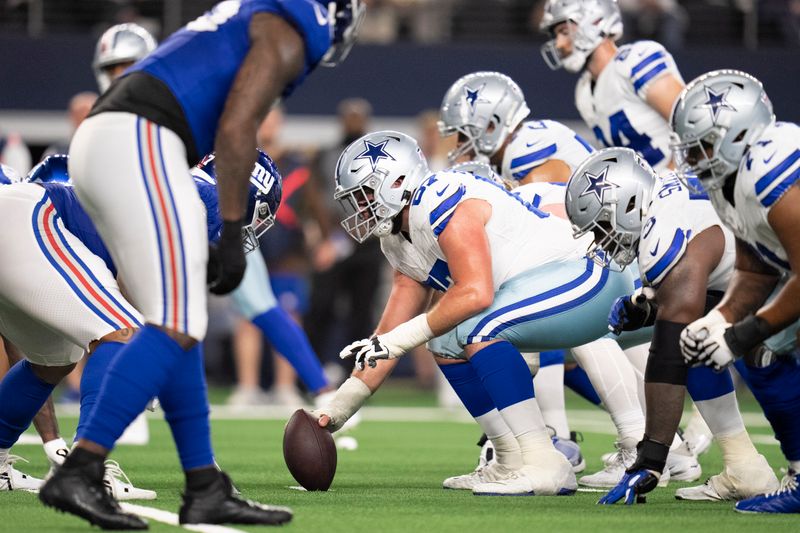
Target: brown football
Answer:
pixel 309 451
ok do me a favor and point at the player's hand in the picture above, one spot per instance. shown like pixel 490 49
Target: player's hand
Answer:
pixel 367 352
pixel 700 340
pixel 631 488
pixel 632 312
pixel 226 261
pixel 329 419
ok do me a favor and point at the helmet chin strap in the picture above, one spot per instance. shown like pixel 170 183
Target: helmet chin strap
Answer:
pixel 384 228
pixel 574 62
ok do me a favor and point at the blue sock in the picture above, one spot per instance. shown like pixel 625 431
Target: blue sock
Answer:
pixel 504 374
pixel 91 380
pixel 289 339
pixel 469 388
pixel 705 384
pixel 185 403
pixel 22 394
pixel 137 373
pixel 777 389
pixel 577 380
pixel 552 357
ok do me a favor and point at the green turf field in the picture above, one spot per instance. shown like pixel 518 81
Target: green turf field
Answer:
pixel 392 483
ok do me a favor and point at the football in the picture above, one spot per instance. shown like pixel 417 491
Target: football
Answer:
pixel 309 451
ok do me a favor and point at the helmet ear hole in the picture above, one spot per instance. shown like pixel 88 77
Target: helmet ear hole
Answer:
pixel 398 182
pixel 741 136
pixel 631 205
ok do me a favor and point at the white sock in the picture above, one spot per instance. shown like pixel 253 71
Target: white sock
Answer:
pixel 638 355
pixel 56 451
pixel 506 447
pixel 736 448
pixel 3 456
pixel 722 415
pixel 615 380
pixel 549 387
pixel 527 425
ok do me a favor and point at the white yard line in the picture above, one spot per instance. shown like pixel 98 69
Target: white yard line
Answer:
pixel 159 515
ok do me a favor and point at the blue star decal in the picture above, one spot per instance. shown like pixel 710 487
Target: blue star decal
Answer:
pixel 598 184
pixel 375 152
pixel 716 102
pixel 472 96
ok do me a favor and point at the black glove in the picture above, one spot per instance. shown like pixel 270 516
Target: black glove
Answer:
pixel 629 315
pixel 226 262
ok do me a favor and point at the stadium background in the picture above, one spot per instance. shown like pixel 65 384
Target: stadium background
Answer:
pixel 410 52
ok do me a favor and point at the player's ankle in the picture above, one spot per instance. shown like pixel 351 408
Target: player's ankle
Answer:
pixel 198 479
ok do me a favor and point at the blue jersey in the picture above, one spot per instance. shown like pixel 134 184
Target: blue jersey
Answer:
pixel 199 62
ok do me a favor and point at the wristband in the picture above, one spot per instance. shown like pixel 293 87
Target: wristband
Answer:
pixel 407 335
pixel 650 455
pixel 746 334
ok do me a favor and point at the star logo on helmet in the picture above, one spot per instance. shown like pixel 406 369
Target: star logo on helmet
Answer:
pixel 472 96
pixel 716 102
pixel 375 152
pixel 598 184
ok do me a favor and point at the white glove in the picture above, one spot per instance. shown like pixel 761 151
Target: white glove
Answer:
pixel 703 342
pixel 367 352
pixel 389 345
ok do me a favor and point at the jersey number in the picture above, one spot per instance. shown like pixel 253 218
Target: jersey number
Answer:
pixel 216 17
pixel 621 129
pixel 439 276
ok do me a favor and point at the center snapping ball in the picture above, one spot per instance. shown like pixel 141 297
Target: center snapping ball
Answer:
pixel 309 451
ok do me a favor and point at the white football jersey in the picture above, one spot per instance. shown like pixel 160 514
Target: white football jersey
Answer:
pixel 674 217
pixel 549 197
pixel 521 237
pixel 537 142
pixel 614 105
pixel 769 168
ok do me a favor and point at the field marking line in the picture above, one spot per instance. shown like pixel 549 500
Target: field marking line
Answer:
pixel 160 515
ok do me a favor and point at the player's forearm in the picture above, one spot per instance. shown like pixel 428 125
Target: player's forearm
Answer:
pixel 747 292
pixel 406 300
pixel 784 310
pixel 235 157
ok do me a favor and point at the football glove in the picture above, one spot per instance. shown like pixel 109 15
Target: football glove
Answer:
pixel 366 352
pixel 700 340
pixel 631 488
pixel 632 312
pixel 226 261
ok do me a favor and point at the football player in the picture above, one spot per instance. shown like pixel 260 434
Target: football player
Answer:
pixel 727 135
pixel 685 258
pixel 512 277
pixel 624 94
pixel 208 86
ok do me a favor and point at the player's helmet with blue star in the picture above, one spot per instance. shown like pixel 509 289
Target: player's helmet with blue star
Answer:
pixel 484 108
pixel 375 178
pixel 608 195
pixel 8 175
pixel 52 168
pixel 264 197
pixel 714 120
pixel 344 17
pixel 594 21
pixel 123 43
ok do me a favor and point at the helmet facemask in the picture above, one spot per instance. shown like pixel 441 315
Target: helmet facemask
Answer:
pixel 365 214
pixel 612 244
pixel 263 219
pixel 573 62
pixel 699 158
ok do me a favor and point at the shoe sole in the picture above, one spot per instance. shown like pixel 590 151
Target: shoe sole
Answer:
pixel 89 519
pixel 580 467
pixel 562 492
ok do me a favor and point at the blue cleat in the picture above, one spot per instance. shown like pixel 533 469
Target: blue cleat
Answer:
pixel 785 500
pixel 570 449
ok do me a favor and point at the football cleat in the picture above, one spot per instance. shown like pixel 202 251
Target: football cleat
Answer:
pixel 615 466
pixel 13 479
pixel 80 491
pixel 137 433
pixel 785 500
pixel 736 482
pixel 682 464
pixel 485 473
pixel 120 487
pixel 216 504
pixel 697 434
pixel 572 451
pixel 531 481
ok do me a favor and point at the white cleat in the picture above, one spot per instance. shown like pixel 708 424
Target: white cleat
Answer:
pixel 736 482
pixel 13 479
pixel 682 464
pixel 616 464
pixel 488 473
pixel 137 433
pixel 532 481
pixel 120 487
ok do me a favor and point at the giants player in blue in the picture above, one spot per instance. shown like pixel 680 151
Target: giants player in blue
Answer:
pixel 208 86
pixel 727 135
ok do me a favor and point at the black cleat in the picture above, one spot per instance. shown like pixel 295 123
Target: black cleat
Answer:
pixel 217 504
pixel 80 491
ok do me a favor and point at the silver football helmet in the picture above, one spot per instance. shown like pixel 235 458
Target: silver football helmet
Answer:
pixel 714 120
pixel 594 21
pixel 375 178
pixel 484 107
pixel 123 43
pixel 608 195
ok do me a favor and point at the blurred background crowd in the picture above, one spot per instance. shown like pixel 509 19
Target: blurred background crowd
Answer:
pixel 332 287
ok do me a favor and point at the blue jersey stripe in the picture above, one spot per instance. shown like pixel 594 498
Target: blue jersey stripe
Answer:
pixel 585 143
pixel 779 189
pixel 646 61
pixel 668 258
pixel 534 156
pixel 443 224
pixel 770 256
pixel 447 205
pixel 767 179
pixel 638 84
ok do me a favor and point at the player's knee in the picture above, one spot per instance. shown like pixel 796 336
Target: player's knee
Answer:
pixel 51 374
pixel 184 341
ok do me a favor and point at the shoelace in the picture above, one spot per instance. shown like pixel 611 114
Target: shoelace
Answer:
pixel 15 459
pixel 622 457
pixel 788 483
pixel 113 470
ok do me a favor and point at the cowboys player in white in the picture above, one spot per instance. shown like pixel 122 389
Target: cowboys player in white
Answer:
pixel 685 258
pixel 726 135
pixel 512 277
pixel 624 94
pixel 488 110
